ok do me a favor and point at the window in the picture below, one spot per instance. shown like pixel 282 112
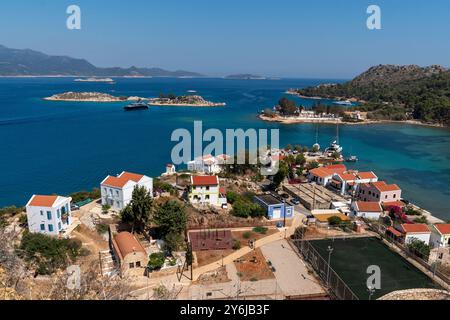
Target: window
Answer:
pixel 42 226
pixel 207 188
pixel 50 227
pixel 42 213
pixel 59 225
pixel 117 204
pixel 110 191
pixel 106 191
pixel 207 197
pixel 394 195
pixel 385 196
pixel 131 265
pixel 117 192
pixel 49 215
pixel 58 214
pixel 138 264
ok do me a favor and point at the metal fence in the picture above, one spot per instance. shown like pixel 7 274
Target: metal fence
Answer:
pixel 336 286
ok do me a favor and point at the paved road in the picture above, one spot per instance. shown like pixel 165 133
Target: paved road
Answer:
pixel 291 273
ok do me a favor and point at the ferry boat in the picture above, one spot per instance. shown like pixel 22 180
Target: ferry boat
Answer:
pixel 136 106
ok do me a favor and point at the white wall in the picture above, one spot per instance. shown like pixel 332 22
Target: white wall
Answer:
pixel 35 218
pixel 425 237
pixel 118 198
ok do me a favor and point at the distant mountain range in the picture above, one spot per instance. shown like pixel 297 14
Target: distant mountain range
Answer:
pixel 396 93
pixel 26 62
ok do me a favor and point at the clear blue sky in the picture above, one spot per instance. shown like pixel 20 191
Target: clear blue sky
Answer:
pixel 289 38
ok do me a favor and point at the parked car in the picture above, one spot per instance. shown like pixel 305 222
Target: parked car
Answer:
pixel 295 201
pixel 74 207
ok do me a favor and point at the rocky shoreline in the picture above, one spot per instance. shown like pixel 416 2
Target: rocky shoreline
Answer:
pixel 88 97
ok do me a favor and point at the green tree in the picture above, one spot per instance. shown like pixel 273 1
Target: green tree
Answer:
pixel 312 165
pixel 139 211
pixel 288 147
pixel 171 218
pixel 287 107
pixel 281 174
pixel 231 197
pixel 300 160
pixel 419 248
pixel 334 221
pixel 156 260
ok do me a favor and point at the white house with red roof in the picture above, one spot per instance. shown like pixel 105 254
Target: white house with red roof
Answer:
pixel 378 191
pixel 48 214
pixel 369 210
pixel 440 235
pixel 208 164
pixel 323 175
pixel 418 231
pixel 206 190
pixel 117 191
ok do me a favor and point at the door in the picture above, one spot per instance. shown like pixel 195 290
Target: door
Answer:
pixel 276 213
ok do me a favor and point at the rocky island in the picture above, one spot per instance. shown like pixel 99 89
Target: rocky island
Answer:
pixel 183 101
pixel 88 97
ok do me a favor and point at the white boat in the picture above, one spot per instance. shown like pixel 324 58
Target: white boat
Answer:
pixel 343 103
pixel 334 147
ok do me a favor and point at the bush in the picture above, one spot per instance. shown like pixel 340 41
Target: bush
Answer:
pixel 156 260
pixel 23 220
pixel 244 209
pixel 261 230
pixel 334 221
pixel 102 228
pixel 232 197
pixel 47 253
pixel 419 248
pixel 84 195
pixel 236 244
pixel 247 235
pixel 421 219
pixel 105 208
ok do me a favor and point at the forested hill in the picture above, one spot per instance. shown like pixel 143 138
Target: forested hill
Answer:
pixel 396 93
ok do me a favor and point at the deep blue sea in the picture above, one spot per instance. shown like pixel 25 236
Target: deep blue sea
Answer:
pixel 61 147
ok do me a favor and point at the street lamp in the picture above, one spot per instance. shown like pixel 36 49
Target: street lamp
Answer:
pixel 330 250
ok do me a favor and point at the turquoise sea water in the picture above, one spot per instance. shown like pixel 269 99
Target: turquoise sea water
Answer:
pixel 60 147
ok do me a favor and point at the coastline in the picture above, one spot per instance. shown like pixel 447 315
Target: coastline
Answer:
pixel 186 104
pixel 339 121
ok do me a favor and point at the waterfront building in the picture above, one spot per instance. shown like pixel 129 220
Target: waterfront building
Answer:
pixel 419 231
pixel 323 175
pixel 48 214
pixel 378 191
pixel 440 235
pixel 348 181
pixel 369 210
pixel 117 191
pixel 170 170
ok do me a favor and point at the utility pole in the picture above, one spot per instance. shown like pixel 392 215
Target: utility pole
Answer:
pixel 330 250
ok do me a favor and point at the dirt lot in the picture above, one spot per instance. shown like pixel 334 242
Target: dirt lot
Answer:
pixel 219 275
pixel 239 235
pixel 313 232
pixel 253 266
pixel 210 256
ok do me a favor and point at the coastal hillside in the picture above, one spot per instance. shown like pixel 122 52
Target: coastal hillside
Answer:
pixel 395 93
pixel 26 62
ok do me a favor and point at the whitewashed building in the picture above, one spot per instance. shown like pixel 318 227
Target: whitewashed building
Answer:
pixel 48 214
pixel 418 231
pixel 117 191
pixel 440 235
pixel 208 164
pixel 206 190
pixel 369 210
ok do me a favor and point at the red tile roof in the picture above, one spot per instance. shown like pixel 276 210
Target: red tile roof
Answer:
pixel 397 203
pixel 347 176
pixel 42 201
pixel 383 187
pixel 204 180
pixel 415 228
pixel 336 167
pixel 321 172
pixel 394 232
pixel 366 175
pixel 369 206
pixel 122 179
pixel 443 228
pixel 126 243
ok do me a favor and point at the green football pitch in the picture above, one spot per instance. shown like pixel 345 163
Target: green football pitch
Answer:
pixel 351 257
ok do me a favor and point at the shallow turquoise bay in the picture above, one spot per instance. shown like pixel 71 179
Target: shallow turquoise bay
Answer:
pixel 60 147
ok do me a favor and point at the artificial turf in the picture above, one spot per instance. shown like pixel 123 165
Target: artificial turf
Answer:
pixel 351 257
